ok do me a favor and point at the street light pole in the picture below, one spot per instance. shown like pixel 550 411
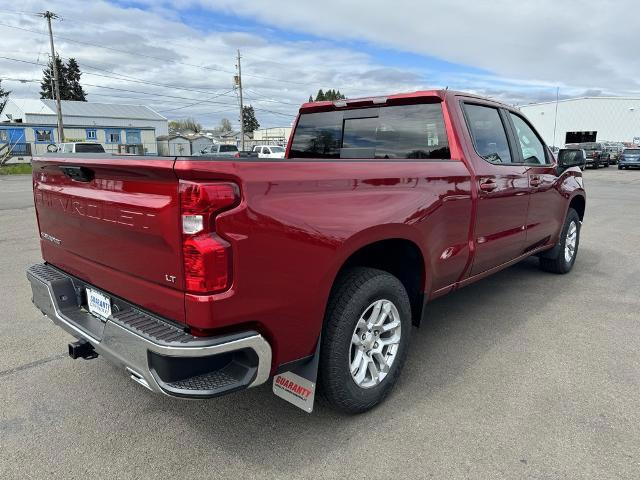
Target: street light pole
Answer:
pixel 56 78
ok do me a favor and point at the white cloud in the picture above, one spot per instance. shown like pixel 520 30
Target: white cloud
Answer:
pixel 528 49
pixel 584 43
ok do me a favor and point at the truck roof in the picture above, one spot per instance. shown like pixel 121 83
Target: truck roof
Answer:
pixel 406 97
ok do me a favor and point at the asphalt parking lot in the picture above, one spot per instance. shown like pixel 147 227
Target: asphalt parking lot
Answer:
pixel 523 375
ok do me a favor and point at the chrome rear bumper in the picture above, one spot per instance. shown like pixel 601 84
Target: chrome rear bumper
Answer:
pixel 156 353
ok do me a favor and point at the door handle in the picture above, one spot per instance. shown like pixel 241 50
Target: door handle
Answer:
pixel 535 181
pixel 488 185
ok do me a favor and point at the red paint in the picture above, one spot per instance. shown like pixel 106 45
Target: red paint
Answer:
pixel 296 224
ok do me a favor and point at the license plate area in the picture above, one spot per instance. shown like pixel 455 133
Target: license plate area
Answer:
pixel 98 304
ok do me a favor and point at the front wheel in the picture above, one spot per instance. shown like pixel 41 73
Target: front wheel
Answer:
pixel 365 339
pixel 562 257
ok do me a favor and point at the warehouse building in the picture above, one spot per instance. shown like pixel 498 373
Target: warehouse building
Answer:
pixel 586 119
pixel 31 125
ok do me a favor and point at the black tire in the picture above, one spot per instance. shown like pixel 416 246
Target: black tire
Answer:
pixel 356 290
pixel 606 165
pixel 619 167
pixel 555 261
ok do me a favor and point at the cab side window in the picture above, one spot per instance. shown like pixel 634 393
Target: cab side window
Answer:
pixel 533 151
pixel 488 133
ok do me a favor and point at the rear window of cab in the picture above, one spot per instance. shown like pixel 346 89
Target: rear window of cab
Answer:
pixel 393 133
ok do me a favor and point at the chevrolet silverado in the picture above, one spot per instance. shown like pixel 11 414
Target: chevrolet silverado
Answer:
pixel 203 276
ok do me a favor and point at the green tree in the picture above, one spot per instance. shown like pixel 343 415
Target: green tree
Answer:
pixel 3 97
pixel 333 95
pixel 249 120
pixel 47 87
pixel 75 92
pixel 69 76
pixel 329 95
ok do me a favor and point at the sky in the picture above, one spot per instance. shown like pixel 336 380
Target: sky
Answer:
pixel 179 56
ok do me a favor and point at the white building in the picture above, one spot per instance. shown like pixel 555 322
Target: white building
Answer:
pixel 272 136
pixel 586 119
pixel 119 128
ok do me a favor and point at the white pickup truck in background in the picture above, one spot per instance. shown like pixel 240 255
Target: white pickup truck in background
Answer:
pixel 77 147
pixel 269 151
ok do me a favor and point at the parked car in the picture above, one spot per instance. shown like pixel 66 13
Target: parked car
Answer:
pixel 629 158
pixel 614 149
pixel 77 147
pixel 269 151
pixel 597 154
pixel 223 151
pixel 200 278
pixel 218 150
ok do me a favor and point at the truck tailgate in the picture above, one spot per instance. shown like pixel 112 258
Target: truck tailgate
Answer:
pixel 114 222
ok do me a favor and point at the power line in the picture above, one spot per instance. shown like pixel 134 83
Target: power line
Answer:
pixel 15 12
pixel 141 80
pixel 145 82
pixel 118 50
pixel 215 69
pixel 274 112
pixel 127 78
pixel 268 99
pixel 206 100
pixel 114 88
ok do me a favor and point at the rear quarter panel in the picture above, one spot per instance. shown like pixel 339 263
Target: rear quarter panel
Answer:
pixel 300 220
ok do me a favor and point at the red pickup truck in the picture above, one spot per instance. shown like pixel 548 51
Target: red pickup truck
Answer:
pixel 202 276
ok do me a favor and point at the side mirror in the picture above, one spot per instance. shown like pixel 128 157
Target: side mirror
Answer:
pixel 571 157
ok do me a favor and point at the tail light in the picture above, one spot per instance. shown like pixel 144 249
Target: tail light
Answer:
pixel 206 256
pixel 237 155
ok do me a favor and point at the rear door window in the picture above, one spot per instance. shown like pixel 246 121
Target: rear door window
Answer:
pixel 397 132
pixel 488 133
pixel 228 148
pixel 531 146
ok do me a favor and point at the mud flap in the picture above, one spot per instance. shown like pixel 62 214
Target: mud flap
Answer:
pixel 298 385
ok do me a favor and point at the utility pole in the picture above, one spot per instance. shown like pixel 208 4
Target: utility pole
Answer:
pixel 49 15
pixel 239 84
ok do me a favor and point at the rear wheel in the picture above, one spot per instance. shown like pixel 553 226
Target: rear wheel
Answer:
pixel 365 339
pixel 565 251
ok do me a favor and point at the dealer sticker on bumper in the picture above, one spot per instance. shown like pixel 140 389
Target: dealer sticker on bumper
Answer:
pixel 99 304
pixel 295 389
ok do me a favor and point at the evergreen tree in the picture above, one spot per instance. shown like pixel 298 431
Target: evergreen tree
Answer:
pixel 249 120
pixel 310 98
pixel 3 97
pixel 69 77
pixel 329 95
pixel 76 92
pixel 47 86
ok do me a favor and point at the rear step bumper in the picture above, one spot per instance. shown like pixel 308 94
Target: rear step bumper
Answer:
pixel 155 352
